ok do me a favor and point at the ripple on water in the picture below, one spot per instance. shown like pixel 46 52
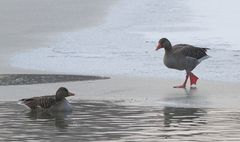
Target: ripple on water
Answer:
pixel 108 121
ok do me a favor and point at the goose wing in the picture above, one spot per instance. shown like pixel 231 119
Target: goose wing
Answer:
pixel 191 51
pixel 36 102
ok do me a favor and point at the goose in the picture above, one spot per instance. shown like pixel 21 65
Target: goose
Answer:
pixel 55 102
pixel 182 57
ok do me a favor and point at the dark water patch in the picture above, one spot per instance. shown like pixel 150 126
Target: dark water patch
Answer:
pixel 26 79
pixel 108 121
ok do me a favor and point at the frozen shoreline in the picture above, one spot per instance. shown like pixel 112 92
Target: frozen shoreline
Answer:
pixel 127 56
pixel 136 91
pixel 124 44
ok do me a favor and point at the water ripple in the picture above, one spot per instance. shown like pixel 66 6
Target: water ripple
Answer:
pixel 108 121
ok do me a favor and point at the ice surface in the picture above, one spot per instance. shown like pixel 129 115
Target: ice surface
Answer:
pixel 124 44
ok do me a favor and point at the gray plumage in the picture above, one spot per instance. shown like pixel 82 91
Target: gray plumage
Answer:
pixel 182 56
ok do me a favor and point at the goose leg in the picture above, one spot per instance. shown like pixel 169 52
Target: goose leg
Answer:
pixel 184 83
pixel 193 79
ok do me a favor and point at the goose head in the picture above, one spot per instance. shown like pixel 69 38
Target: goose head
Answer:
pixel 62 92
pixel 164 43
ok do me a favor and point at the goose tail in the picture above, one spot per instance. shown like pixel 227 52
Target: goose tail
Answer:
pixel 204 58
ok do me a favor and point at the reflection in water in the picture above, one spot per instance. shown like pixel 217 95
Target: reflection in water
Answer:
pixel 191 91
pixel 60 118
pixel 189 116
pixel 108 121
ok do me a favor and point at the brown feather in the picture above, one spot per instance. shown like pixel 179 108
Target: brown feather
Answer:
pixel 46 101
pixel 43 102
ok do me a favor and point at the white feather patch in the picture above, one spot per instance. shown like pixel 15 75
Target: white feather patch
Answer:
pixel 203 58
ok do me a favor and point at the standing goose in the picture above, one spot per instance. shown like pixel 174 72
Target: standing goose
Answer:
pixel 182 57
pixel 53 103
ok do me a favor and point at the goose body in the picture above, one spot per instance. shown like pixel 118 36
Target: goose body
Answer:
pixel 63 105
pixel 56 102
pixel 182 57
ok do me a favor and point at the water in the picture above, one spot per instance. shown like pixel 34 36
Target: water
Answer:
pixel 124 45
pixel 125 41
pixel 110 121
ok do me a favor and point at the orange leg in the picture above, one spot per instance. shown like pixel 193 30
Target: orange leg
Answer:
pixel 184 83
pixel 193 79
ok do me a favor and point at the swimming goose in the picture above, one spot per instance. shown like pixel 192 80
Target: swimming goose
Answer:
pixel 52 103
pixel 182 57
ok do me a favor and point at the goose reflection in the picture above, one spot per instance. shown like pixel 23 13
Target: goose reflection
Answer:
pixel 57 119
pixel 191 91
pixel 174 116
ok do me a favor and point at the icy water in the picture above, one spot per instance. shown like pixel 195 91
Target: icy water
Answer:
pixel 123 44
pixel 110 121
pixel 125 41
